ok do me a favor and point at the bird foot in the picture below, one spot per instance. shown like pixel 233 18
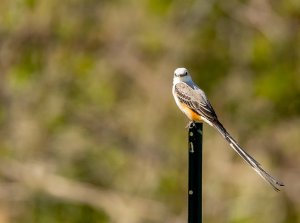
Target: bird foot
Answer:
pixel 191 124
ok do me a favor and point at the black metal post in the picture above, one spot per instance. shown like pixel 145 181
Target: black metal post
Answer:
pixel 195 173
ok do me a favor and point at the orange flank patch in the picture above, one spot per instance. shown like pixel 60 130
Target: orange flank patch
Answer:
pixel 190 113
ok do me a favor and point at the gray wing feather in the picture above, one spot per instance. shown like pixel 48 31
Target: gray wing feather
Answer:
pixel 196 100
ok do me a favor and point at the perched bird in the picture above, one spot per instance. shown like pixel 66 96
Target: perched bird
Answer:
pixel 193 102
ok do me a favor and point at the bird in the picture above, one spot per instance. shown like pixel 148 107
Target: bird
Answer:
pixel 192 101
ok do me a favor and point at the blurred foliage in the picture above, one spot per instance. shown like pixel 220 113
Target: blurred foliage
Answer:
pixel 46 209
pixel 89 131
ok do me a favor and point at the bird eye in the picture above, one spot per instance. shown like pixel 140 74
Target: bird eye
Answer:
pixel 186 73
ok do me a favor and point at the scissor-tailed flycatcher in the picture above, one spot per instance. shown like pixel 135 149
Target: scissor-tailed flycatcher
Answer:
pixel 193 102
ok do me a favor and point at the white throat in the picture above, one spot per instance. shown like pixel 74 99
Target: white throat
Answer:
pixel 186 79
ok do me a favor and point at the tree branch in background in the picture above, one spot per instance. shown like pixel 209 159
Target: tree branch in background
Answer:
pixel 121 208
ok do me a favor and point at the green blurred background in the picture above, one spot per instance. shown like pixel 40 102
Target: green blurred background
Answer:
pixel 89 131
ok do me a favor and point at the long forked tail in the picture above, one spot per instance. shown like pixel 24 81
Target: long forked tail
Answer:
pixel 249 159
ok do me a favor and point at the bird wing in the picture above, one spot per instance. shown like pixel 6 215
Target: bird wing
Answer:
pixel 196 100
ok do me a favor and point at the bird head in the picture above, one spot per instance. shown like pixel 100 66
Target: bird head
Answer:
pixel 181 74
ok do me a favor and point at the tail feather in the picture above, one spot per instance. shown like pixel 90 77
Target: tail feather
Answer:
pixel 249 159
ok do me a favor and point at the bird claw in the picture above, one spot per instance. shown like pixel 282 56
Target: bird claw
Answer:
pixel 190 125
